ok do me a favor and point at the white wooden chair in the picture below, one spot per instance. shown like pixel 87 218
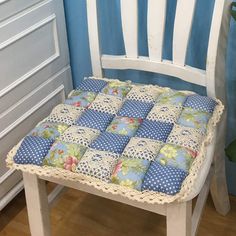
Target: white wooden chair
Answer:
pixel 213 175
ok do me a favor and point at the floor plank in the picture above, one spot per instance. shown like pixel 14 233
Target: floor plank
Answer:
pixel 77 213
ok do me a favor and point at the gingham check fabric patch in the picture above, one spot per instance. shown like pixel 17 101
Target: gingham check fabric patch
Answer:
pixel 137 136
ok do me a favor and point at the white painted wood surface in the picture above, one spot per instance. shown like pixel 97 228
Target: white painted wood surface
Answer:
pixel 182 29
pixel 179 217
pixel 35 74
pixel 156 20
pixel 129 17
pixel 37 205
pixel 94 42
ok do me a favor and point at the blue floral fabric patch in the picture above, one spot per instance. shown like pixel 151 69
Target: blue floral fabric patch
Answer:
pixel 135 109
pixel 194 118
pixel 154 130
pixel 174 98
pixel 81 98
pixel 176 156
pixel 33 150
pixel 201 103
pixel 130 172
pixel 49 130
pixel 110 142
pixel 124 125
pixel 119 89
pixel 64 155
pixel 92 85
pixel 95 119
pixel 164 179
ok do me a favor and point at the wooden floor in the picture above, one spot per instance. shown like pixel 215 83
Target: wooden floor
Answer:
pixel 80 214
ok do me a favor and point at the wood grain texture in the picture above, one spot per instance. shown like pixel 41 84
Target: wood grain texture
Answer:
pixel 77 213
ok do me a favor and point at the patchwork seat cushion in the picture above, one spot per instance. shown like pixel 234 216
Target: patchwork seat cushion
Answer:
pixel 138 138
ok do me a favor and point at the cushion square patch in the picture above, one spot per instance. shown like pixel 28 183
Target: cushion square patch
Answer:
pixel 176 156
pixel 194 118
pixel 146 93
pixel 154 130
pixel 185 136
pixel 201 103
pixel 33 150
pixel 98 164
pixel 64 113
pixel 95 120
pixel 164 179
pixel 80 135
pixel 92 85
pixel 49 130
pixel 106 103
pixel 135 109
pixel 165 113
pixel 130 172
pixel 115 88
pixel 124 125
pixel 110 142
pixel 64 155
pixel 171 97
pixel 142 148
pixel 80 98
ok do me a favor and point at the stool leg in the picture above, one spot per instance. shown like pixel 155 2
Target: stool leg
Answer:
pixel 37 205
pixel 179 219
pixel 219 190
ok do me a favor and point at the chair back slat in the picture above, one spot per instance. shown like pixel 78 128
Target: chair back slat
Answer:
pixel 129 17
pixel 156 18
pixel 212 77
pixel 182 29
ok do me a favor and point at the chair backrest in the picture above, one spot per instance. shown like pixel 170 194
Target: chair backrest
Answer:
pixel 214 75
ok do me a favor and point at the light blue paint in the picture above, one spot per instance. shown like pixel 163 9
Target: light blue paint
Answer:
pixel 112 43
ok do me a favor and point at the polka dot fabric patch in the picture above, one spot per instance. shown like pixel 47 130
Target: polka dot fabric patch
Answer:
pixel 154 130
pixel 99 164
pixel 187 137
pixel 106 103
pixel 80 135
pixel 142 148
pixel 110 142
pixel 164 113
pixel 147 94
pixel 33 150
pixel 64 113
pixel 92 85
pixel 200 103
pixel 95 120
pixel 142 137
pixel 135 109
pixel 164 179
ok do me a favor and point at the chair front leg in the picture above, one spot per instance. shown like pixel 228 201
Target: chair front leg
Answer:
pixel 37 205
pixel 179 219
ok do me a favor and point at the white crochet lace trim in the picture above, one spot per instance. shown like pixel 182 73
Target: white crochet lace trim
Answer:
pixel 150 197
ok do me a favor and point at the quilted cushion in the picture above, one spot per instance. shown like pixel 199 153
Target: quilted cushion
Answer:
pixel 142 137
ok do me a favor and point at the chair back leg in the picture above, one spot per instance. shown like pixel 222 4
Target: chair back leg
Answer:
pixel 219 190
pixel 37 205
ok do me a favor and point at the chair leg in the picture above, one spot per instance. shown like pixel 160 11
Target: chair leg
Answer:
pixel 219 190
pixel 179 219
pixel 37 205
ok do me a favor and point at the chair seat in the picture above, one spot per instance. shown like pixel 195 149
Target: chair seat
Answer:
pixel 142 141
